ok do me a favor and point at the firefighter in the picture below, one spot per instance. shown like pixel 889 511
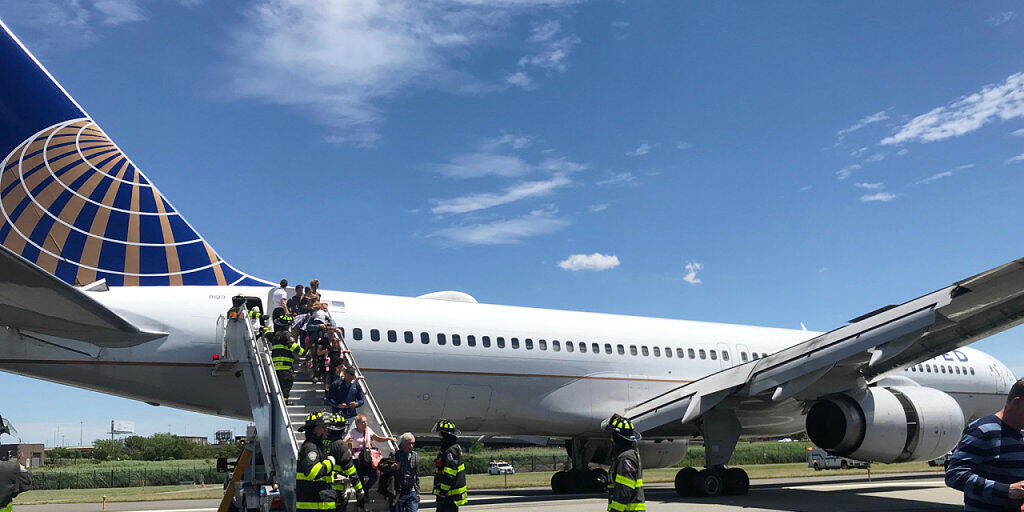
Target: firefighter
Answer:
pixel 283 350
pixel 236 306
pixel 449 471
pixel 14 480
pixel 626 475
pixel 315 472
pixel 345 476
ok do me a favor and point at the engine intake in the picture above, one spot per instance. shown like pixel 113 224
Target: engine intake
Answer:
pixel 887 424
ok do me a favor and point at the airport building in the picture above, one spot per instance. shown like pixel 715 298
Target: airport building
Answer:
pixel 28 455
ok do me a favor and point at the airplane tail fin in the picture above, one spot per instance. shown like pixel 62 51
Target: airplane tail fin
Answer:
pixel 73 204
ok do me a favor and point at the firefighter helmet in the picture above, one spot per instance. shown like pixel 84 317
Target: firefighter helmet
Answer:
pixel 621 427
pixel 337 422
pixel 315 419
pixel 446 427
pixel 284 320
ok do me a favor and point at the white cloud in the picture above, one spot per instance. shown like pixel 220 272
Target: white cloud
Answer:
pixel 902 152
pixel 883 197
pixel 864 121
pixel 1004 101
pixel 508 231
pixel 624 178
pixel 682 144
pixel 858 152
pixel 551 53
pixel 119 12
pixel 514 141
pixel 691 272
pixel 596 261
pixel 877 157
pixel 595 208
pixel 339 60
pixel 473 165
pixel 847 171
pixel 935 177
pixel 1002 18
pixel 1019 133
pixel 806 188
pixel 524 190
pixel 870 186
pixel 1018 158
pixel 640 150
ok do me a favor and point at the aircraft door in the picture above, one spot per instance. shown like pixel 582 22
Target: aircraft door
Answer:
pixel 466 405
pixel 725 356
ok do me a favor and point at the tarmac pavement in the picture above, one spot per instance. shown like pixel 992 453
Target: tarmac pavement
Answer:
pixel 908 492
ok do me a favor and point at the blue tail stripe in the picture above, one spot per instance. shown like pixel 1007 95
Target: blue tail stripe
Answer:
pixel 112 256
pixel 152 260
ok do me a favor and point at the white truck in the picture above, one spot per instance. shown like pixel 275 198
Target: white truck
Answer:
pixel 500 467
pixel 820 459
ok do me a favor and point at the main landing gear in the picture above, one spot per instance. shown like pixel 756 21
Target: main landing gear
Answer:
pixel 581 478
pixel 721 430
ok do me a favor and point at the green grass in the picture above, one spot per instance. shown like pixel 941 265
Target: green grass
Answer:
pixel 169 492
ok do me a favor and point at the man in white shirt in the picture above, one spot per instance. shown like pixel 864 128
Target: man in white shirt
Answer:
pixel 279 300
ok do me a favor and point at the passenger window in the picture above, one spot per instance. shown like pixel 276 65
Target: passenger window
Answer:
pixel 657 351
pixel 556 346
pixel 529 343
pixel 541 344
pixel 632 350
pixel 714 355
pixel 374 335
pixel 972 370
pixel 620 349
pixel 764 354
pixel 754 355
pixel 456 340
pixel 691 353
pixel 743 356
pixel 471 340
pixel 725 355
pixel 357 334
pixel 645 351
pixel 569 348
pixel 913 368
pixel 607 348
pixel 515 342
pixel 583 347
pixel 703 354
pixel 408 336
pixel 501 342
pixel 679 353
pixel 392 336
pixel 424 338
pixel 950 369
pixel 928 368
pixel 486 341
pixel 668 352
pixel 957 370
pixel 441 339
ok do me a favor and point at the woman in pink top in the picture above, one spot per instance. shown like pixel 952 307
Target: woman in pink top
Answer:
pixel 362 438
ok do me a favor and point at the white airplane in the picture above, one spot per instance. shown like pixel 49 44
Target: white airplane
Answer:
pixel 104 286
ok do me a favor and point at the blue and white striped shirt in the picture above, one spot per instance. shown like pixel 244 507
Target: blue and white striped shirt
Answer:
pixel 988 459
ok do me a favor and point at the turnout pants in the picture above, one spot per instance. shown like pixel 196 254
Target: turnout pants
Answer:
pixel 446 506
pixel 286 379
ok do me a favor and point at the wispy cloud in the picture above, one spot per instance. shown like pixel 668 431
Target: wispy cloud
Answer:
pixel 55 25
pixel 1004 101
pixel 902 152
pixel 552 50
pixel 595 208
pixel 682 144
pixel 596 262
pixel 339 60
pixel 506 231
pixel 474 165
pixel 1018 158
pixel 847 171
pixel 640 150
pixel 623 178
pixel 514 141
pixel 883 197
pixel 1019 133
pixel 692 269
pixel 870 186
pixel 945 174
pixel 620 29
pixel 864 121
pixel 1002 18
pixel 518 192
pixel 119 12
pixel 877 157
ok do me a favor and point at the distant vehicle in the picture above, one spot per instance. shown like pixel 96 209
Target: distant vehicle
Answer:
pixel 820 459
pixel 500 467
pixel 787 440
pixel 941 461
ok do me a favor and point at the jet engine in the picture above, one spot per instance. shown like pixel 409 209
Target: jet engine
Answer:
pixel 887 424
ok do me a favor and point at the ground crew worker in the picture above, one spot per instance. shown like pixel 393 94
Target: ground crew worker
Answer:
pixel 345 476
pixel 625 477
pixel 315 471
pixel 283 351
pixel 14 480
pixel 236 306
pixel 449 471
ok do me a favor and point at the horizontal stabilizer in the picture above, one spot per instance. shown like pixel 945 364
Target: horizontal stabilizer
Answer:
pixel 33 300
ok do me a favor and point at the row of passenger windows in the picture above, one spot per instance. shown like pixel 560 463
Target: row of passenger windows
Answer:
pixel 554 345
pixel 938 368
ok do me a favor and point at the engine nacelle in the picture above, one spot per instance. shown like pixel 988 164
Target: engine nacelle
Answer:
pixel 890 424
pixel 662 454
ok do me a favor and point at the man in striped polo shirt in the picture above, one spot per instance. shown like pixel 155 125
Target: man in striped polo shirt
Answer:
pixel 988 464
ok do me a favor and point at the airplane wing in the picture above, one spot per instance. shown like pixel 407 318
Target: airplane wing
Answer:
pixel 33 300
pixel 845 358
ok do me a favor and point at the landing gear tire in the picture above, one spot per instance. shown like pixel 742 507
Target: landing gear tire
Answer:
pixel 685 479
pixel 576 481
pixel 597 480
pixel 709 483
pixel 560 482
pixel 737 483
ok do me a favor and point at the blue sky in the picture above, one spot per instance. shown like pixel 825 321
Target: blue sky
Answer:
pixel 769 163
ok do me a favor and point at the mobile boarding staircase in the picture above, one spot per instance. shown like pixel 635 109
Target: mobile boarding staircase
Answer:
pixel 264 476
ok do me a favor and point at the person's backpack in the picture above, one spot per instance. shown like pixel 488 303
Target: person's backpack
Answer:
pixel 387 485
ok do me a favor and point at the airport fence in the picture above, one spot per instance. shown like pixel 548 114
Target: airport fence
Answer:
pixel 125 477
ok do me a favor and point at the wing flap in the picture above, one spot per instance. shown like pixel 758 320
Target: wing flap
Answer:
pixel 33 300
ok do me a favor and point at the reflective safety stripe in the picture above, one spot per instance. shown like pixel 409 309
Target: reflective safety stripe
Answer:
pixel 351 470
pixel 445 487
pixel 289 359
pixel 629 482
pixel 460 490
pixel 314 505
pixel 615 506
